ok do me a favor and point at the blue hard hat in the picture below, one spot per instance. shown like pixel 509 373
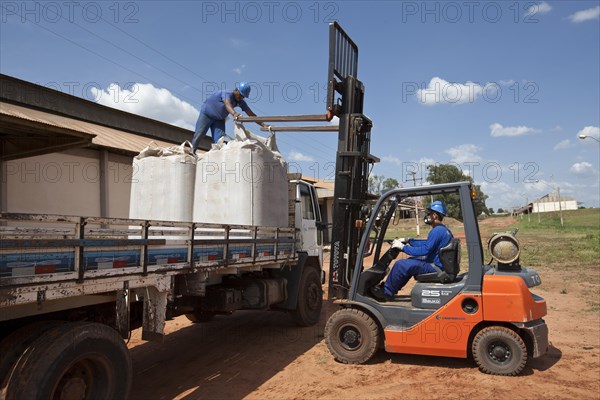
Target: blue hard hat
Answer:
pixel 243 88
pixel 438 207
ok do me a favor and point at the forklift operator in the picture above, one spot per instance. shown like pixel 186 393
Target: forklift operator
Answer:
pixel 422 254
pixel 217 108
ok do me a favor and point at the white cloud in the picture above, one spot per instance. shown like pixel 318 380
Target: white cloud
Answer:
pixel 422 163
pixel 464 153
pixel 146 100
pixel 565 144
pixel 392 160
pixel 440 91
pixel 593 131
pixel 297 156
pixel 503 195
pixel 585 15
pixel 541 8
pixel 426 161
pixel 540 186
pixel 582 169
pixel 495 187
pixel 236 43
pixel 239 69
pixel 506 82
pixel 498 130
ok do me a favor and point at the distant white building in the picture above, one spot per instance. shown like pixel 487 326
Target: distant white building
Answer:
pixel 551 202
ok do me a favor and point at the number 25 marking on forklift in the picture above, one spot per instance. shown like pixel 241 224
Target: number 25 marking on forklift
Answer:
pixel 430 293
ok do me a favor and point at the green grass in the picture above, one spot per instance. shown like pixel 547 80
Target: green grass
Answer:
pixel 584 220
pixel 575 243
pixel 573 247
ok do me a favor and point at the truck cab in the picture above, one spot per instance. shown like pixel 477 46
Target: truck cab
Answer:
pixel 308 220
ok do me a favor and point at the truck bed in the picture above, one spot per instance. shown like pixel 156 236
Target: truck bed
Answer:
pixel 45 257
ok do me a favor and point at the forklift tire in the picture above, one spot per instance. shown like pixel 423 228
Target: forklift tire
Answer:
pixel 352 336
pixel 199 316
pixel 499 351
pixel 15 344
pixel 310 298
pixel 73 360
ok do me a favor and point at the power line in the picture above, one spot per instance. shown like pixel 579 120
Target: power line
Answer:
pixel 184 67
pixel 127 52
pixel 288 141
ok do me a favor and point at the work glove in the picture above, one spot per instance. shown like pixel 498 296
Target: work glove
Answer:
pixel 399 243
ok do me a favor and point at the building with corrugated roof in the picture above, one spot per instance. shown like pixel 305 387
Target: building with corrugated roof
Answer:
pixel 548 203
pixel 65 155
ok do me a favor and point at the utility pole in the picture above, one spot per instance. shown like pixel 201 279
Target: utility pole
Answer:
pixel 526 208
pixel 557 188
pixel 562 224
pixel 416 203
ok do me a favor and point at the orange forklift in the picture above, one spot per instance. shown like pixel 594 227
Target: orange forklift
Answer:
pixel 486 311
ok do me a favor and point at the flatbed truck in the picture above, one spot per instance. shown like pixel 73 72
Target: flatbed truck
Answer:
pixel 72 288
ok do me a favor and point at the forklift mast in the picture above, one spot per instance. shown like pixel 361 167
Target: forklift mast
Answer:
pixel 353 158
pixel 345 95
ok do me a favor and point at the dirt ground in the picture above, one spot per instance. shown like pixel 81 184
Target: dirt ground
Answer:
pixel 263 355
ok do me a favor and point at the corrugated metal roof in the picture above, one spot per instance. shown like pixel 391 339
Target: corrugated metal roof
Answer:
pixel 103 136
pixel 319 183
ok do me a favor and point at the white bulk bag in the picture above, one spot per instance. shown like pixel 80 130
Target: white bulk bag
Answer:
pixel 162 185
pixel 243 182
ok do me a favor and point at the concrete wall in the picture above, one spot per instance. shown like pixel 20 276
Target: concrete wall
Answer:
pixel 68 183
pixel 551 206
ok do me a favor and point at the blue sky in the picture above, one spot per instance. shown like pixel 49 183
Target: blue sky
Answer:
pixel 501 89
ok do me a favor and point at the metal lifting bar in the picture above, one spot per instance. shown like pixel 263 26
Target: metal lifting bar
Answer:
pixel 323 128
pixel 287 118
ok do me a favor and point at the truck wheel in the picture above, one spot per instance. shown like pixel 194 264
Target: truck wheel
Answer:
pixel 73 361
pixel 499 351
pixel 200 316
pixel 310 298
pixel 17 342
pixel 352 336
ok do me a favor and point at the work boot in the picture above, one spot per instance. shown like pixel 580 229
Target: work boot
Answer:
pixel 378 294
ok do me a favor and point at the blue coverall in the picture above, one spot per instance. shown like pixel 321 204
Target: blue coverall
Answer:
pixel 426 250
pixel 213 114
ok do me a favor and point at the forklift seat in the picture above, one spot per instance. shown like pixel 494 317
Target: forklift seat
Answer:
pixel 450 259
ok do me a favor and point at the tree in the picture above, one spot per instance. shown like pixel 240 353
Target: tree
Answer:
pixel 501 211
pixel 390 183
pixel 446 173
pixel 375 182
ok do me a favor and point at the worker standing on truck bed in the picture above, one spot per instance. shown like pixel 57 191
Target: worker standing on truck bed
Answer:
pixel 423 253
pixel 215 110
